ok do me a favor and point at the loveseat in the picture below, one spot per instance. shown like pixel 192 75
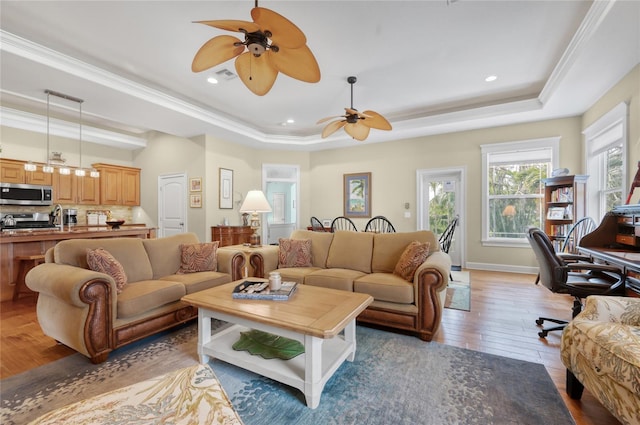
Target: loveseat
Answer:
pixel 94 313
pixel 365 262
pixel 601 350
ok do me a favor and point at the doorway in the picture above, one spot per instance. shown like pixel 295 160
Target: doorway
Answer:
pixel 172 205
pixel 441 195
pixel 280 184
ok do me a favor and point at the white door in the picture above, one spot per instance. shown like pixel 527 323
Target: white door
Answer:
pixel 280 184
pixel 172 204
pixel 441 194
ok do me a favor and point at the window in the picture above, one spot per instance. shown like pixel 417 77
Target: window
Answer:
pixel 513 188
pixel 605 150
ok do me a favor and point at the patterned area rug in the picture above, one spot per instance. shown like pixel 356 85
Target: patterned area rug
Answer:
pixel 459 292
pixel 395 379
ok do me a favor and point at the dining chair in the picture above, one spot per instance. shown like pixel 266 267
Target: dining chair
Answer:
pixel 316 225
pixel 379 224
pixel 447 237
pixel 343 223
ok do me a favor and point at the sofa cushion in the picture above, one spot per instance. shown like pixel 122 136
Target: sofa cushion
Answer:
pixel 351 250
pixel 140 297
pixel 414 254
pixel 165 254
pixel 320 243
pixel 388 247
pixel 198 257
pixel 129 252
pixel 333 278
pixel 100 260
pixel 194 282
pixel 296 274
pixel 294 253
pixel 385 287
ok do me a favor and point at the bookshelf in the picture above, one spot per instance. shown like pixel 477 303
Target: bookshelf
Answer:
pixel 565 199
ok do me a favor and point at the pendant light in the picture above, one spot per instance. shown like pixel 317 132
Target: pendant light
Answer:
pixel 48 168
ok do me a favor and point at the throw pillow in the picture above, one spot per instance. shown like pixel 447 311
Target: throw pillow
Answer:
pixel 101 260
pixel 294 253
pixel 198 257
pixel 414 254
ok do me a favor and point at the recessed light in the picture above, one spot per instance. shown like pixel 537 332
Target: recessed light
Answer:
pixel 491 78
pixel 290 121
pixel 212 80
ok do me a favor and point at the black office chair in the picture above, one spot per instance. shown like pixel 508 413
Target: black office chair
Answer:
pixel 379 224
pixel 578 279
pixel 316 225
pixel 343 223
pixel 447 237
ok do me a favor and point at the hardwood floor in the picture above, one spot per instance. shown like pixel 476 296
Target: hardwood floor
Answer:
pixel 504 307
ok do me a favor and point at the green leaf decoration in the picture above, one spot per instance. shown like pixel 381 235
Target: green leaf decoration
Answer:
pixel 267 345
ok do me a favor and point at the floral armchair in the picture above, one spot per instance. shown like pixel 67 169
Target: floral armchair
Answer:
pixel 601 350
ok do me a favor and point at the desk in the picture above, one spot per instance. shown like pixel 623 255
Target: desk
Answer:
pixel 628 260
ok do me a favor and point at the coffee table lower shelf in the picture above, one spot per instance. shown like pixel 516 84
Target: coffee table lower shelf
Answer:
pixel 308 372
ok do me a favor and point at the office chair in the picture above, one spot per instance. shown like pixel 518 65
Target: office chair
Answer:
pixel 578 279
pixel 343 223
pixel 379 224
pixel 316 225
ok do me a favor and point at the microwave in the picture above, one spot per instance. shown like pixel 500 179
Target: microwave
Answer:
pixel 25 194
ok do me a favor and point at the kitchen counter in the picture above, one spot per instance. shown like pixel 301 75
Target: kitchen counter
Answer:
pixel 37 241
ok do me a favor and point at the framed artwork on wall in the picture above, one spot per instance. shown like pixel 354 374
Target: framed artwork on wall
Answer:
pixel 357 195
pixel 195 200
pixel 195 184
pixel 226 189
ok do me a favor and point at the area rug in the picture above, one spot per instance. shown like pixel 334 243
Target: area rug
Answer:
pixel 395 379
pixel 458 295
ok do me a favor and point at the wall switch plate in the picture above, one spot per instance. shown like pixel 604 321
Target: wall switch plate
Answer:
pixel 407 214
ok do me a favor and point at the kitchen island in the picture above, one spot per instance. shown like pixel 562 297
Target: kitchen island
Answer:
pixel 37 241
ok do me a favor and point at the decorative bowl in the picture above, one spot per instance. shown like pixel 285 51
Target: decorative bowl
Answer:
pixel 115 224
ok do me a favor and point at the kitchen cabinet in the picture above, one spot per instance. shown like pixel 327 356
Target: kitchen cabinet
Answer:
pixel 12 171
pixel 72 189
pixel 119 185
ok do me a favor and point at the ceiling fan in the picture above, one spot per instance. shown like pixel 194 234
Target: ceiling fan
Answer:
pixel 356 124
pixel 271 44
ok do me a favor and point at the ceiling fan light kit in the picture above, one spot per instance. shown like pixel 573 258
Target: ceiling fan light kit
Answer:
pixel 272 44
pixel 356 124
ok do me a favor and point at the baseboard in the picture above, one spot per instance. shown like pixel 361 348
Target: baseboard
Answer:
pixel 501 268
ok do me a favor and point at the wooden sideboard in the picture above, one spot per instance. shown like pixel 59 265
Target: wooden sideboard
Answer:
pixel 231 235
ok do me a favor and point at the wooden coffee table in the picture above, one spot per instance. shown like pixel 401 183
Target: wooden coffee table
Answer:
pixel 322 319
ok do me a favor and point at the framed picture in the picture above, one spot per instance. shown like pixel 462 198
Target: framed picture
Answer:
pixel 225 199
pixel 357 195
pixel 555 213
pixel 195 200
pixel 195 184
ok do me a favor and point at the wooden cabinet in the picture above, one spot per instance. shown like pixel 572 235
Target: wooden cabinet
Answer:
pixel 12 171
pixel 565 200
pixel 119 185
pixel 71 189
pixel 231 235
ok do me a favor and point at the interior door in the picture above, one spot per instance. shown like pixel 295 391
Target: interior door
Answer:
pixel 281 187
pixel 172 205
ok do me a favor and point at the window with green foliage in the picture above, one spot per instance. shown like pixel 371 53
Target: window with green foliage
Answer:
pixel 513 180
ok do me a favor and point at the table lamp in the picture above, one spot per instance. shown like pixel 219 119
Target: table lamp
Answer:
pixel 255 202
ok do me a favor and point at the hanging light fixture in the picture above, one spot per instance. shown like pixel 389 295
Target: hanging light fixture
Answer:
pixel 48 168
pixel 80 171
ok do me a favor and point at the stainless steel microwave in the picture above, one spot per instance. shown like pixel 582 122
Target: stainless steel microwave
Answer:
pixel 25 194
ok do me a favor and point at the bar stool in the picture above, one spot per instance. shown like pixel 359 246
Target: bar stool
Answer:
pixel 24 263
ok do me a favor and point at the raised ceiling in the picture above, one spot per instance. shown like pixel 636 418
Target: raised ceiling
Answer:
pixel 422 64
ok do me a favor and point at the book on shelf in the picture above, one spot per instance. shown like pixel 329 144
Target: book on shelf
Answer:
pixel 259 290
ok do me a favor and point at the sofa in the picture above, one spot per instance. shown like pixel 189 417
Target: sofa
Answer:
pixel 91 311
pixel 365 262
pixel 601 350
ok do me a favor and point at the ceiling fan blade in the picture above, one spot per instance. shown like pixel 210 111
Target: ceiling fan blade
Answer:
pixel 232 25
pixel 330 118
pixel 215 51
pixel 257 73
pixel 332 127
pixel 297 63
pixel 375 120
pixel 358 131
pixel 284 33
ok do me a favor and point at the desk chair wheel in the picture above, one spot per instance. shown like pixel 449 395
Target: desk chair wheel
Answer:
pixel 539 322
pixel 542 334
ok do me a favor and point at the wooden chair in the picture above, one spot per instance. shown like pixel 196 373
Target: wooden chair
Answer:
pixel 379 224
pixel 316 225
pixel 343 223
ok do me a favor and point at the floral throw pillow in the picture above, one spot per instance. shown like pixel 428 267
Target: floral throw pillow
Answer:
pixel 414 254
pixel 101 260
pixel 294 253
pixel 198 257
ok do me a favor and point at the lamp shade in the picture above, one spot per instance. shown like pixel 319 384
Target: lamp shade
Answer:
pixel 255 201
